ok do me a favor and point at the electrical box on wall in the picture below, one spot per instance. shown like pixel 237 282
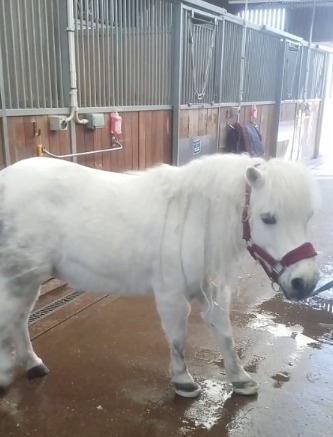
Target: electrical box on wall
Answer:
pixel 95 121
pixel 57 122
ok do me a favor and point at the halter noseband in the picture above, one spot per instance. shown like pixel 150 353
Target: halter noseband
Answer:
pixel 273 268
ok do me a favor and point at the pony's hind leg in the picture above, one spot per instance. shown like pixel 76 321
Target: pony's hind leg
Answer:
pixel 25 354
pixel 9 310
pixel 174 311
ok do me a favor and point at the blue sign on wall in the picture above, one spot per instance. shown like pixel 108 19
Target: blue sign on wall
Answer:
pixel 196 145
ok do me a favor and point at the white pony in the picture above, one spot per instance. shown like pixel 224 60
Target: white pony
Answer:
pixel 172 232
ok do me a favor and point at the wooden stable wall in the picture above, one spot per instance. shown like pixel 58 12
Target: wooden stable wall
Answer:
pixel 198 122
pixel 147 134
pixel 146 140
pixel 204 121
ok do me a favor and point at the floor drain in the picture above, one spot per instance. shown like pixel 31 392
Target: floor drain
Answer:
pixel 322 304
pixel 42 312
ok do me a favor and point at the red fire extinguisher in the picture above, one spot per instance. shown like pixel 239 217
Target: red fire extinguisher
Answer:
pixel 115 124
pixel 254 112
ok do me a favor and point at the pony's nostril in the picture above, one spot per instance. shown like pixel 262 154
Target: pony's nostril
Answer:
pixel 298 284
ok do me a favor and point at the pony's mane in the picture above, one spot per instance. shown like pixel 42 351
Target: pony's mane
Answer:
pixel 289 185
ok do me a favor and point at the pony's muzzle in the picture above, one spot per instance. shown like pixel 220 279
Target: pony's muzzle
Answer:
pixel 302 286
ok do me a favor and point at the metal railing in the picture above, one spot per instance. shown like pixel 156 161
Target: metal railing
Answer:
pixel 32 48
pixel 124 56
pixel 123 52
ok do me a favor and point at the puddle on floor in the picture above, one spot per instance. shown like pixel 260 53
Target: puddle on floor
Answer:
pixel 266 323
pixel 324 300
pixel 206 411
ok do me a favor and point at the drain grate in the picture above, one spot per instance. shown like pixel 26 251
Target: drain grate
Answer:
pixel 322 304
pixel 42 312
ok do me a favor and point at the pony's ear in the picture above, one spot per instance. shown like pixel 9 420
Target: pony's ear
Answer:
pixel 254 177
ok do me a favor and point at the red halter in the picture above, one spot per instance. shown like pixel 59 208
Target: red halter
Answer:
pixel 274 268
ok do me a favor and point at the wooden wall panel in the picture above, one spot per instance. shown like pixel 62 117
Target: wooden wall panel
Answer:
pixel 146 139
pixel 23 142
pixel 198 122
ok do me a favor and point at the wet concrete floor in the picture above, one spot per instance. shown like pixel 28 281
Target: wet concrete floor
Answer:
pixel 109 361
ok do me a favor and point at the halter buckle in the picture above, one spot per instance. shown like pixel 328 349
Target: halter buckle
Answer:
pixel 275 286
pixel 278 268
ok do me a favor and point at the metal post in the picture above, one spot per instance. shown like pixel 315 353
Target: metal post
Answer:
pixel 73 149
pixel 243 60
pixel 278 99
pixel 323 92
pixel 176 78
pixel 220 62
pixel 6 150
pixel 307 71
pixel 64 61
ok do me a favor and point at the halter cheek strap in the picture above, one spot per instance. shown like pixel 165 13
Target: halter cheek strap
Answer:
pixel 273 268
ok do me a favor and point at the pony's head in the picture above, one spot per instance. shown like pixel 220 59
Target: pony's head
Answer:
pixel 281 202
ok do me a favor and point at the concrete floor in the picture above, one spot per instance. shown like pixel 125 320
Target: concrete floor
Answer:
pixel 109 364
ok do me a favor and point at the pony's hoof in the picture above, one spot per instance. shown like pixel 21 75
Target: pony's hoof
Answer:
pixel 187 390
pixel 37 371
pixel 247 388
pixel 3 390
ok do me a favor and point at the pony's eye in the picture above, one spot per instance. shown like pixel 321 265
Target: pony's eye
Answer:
pixel 268 219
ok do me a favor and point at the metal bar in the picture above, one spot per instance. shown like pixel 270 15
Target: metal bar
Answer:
pixel 133 54
pixel 61 42
pixel 35 56
pixel 108 23
pixel 277 108
pixel 48 50
pixel 27 33
pixel 176 79
pixel 243 60
pixel 77 51
pixel 92 152
pixel 103 24
pixel 64 56
pixel 121 79
pixel 147 55
pixel 82 110
pixel 83 85
pixel 137 51
pixel 14 56
pixel 93 83
pixel 72 130
pixel 89 29
pixel 142 54
pixel 203 8
pixel 41 55
pixel 126 58
pixel 54 60
pixel 153 35
pixel 6 149
pixel 160 54
pixel 113 30
pixel 321 109
pixel 116 61
pixel 6 53
pixel 98 61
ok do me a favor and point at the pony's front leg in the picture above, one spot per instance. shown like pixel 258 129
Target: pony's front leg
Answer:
pixel 217 317
pixel 174 311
